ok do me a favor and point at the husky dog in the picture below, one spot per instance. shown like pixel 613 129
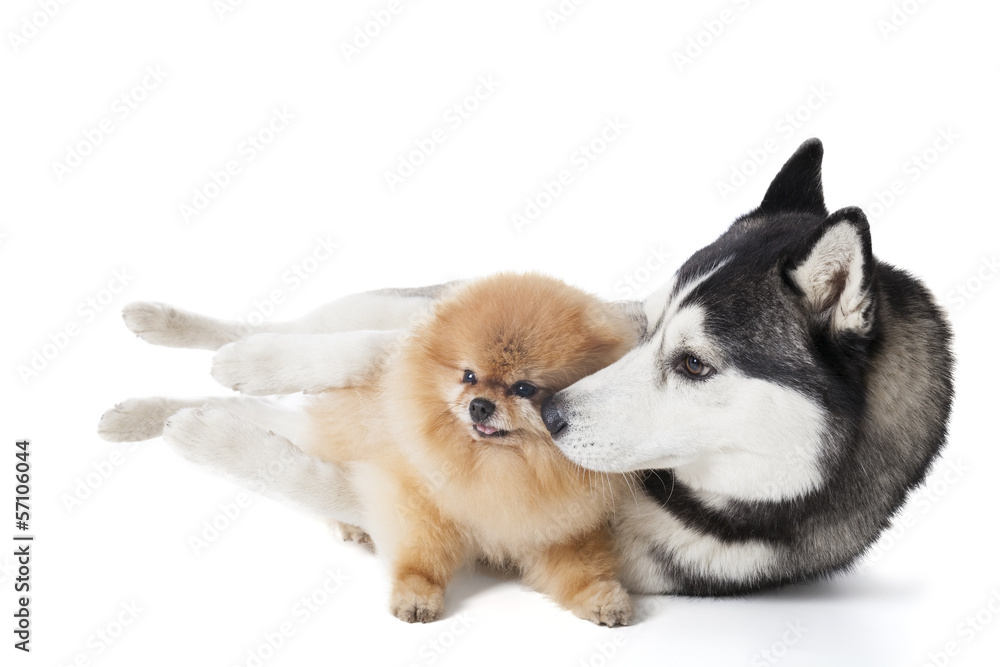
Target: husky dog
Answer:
pixel 787 393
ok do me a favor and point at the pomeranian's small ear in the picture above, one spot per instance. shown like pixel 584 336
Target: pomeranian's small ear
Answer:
pixel 835 274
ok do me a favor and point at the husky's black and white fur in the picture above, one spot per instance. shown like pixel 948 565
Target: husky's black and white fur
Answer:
pixel 788 391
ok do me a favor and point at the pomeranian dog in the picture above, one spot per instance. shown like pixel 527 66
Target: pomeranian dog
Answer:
pixel 451 461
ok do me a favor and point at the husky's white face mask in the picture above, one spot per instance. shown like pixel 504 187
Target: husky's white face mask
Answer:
pixel 674 402
pixel 730 387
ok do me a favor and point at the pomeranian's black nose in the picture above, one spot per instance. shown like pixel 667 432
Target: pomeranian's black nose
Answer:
pixel 552 415
pixel 481 409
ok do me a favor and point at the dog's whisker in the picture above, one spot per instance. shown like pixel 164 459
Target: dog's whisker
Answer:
pixel 628 483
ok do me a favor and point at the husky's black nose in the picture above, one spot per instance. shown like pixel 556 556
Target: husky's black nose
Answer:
pixel 481 409
pixel 552 415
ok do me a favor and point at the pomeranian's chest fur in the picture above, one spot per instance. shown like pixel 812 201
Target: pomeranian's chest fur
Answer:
pixel 508 502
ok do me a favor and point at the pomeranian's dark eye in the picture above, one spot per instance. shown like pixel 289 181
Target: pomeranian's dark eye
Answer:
pixel 524 389
pixel 694 367
pixel 469 377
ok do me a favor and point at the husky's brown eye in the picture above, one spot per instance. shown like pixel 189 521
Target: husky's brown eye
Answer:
pixel 694 367
pixel 469 377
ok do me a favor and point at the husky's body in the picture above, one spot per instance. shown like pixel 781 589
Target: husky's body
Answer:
pixel 789 390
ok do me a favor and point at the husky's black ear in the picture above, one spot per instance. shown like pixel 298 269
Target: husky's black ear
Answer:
pixel 798 187
pixel 834 274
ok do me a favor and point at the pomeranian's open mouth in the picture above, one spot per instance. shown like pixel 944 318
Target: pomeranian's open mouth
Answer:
pixel 485 431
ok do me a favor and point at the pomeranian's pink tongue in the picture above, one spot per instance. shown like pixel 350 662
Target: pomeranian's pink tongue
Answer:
pixel 488 430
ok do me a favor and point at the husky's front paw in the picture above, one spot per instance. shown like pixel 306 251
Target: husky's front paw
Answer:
pixel 208 436
pixel 415 600
pixel 263 365
pixel 135 419
pixel 604 603
pixel 160 324
pixel 251 366
pixel 223 440
pixel 156 323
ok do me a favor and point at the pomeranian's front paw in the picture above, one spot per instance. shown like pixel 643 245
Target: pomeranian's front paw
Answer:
pixel 135 419
pixel 352 533
pixel 416 600
pixel 604 603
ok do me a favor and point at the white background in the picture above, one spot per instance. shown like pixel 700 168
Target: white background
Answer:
pixel 886 96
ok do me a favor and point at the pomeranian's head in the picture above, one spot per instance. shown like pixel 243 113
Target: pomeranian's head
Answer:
pixel 480 367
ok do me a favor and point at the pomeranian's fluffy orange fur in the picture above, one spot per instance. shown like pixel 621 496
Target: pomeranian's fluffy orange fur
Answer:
pixel 448 453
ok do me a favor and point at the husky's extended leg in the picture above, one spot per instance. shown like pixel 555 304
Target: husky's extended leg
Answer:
pixel 247 439
pixel 267 364
pixel 161 324
pixel 138 419
pixel 263 461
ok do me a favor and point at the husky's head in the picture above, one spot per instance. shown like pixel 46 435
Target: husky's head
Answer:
pixel 751 358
